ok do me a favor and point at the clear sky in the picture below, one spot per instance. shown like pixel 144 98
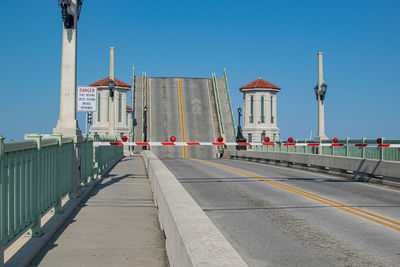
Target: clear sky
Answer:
pixel 275 40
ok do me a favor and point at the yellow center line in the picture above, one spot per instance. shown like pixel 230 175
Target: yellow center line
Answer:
pixel 183 121
pixel 355 211
pixel 180 115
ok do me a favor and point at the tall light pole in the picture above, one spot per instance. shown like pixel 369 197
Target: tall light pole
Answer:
pixel 145 126
pixel 111 103
pixel 67 123
pixel 320 91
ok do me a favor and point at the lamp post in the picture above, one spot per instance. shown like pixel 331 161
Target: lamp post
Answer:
pixel 240 138
pixel 145 126
pixel 320 91
pixel 67 123
pixel 111 103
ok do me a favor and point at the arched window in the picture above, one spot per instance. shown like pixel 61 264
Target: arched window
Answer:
pixel 262 110
pixel 272 110
pixel 98 106
pixel 251 109
pixel 120 107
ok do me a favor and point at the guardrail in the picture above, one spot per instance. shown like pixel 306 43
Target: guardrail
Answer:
pixel 363 150
pixel 38 172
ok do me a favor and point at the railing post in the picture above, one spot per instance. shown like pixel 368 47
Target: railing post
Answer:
pixel 347 146
pixel 96 156
pixel 1 146
pixel 76 178
pixel 363 148
pixel 382 151
pixel 57 207
pixel 35 229
pixel 1 197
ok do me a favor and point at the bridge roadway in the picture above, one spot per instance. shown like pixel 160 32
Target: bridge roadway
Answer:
pixel 273 224
pixel 181 108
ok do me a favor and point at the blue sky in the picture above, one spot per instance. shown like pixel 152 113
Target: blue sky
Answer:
pixel 275 40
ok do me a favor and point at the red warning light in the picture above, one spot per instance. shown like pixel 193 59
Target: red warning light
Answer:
pixel 124 138
pixel 290 139
pixel 379 140
pixel 220 139
pixel 173 139
pixel 335 140
pixel 267 139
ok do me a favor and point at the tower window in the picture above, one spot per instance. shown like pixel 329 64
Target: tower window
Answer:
pixel 272 110
pixel 119 107
pixel 262 110
pixel 251 109
pixel 98 107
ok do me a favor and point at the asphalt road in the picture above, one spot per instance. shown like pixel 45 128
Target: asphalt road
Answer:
pixel 271 223
pixel 180 107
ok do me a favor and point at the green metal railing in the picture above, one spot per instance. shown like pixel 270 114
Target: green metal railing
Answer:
pixel 38 172
pixel 229 103
pixel 217 105
pixel 378 153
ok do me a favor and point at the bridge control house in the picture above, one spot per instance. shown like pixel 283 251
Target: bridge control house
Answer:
pixel 259 111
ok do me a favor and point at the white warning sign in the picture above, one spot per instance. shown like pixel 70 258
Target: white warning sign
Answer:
pixel 87 98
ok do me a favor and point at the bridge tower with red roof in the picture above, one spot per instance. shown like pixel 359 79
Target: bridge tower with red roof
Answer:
pixel 259 111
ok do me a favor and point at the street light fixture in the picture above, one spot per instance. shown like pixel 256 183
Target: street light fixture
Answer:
pixel 67 16
pixel 322 92
pixel 111 87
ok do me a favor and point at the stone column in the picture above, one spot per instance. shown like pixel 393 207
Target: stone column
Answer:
pixel 321 116
pixel 67 123
pixel 111 119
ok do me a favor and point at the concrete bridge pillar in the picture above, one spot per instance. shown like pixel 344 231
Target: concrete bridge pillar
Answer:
pixel 320 96
pixel 67 123
pixel 111 122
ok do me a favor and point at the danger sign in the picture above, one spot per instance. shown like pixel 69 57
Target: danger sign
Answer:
pixel 87 98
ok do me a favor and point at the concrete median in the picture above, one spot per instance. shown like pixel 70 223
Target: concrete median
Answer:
pixel 191 238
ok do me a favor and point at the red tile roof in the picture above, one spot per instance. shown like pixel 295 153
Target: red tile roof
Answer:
pixel 104 82
pixel 128 108
pixel 260 83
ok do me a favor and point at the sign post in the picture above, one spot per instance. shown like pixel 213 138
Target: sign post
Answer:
pixel 87 100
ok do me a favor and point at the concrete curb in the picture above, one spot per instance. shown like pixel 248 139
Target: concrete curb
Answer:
pixel 31 248
pixel 191 238
pixel 366 170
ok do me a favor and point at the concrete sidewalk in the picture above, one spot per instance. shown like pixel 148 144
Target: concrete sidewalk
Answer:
pixel 116 226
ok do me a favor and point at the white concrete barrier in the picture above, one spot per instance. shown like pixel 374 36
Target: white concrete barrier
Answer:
pixel 387 172
pixel 191 238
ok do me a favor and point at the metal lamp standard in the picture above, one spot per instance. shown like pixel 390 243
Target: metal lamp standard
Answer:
pixel 240 138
